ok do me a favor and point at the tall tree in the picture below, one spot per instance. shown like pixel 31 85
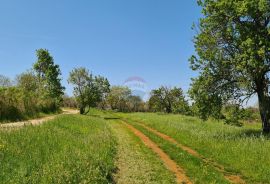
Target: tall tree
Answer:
pixel 79 77
pixel 233 54
pixel 49 75
pixel 89 90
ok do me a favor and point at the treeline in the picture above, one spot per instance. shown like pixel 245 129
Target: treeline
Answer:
pixel 96 92
pixel 39 90
pixel 36 91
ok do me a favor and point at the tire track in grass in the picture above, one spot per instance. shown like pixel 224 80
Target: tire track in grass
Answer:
pixel 233 178
pixel 170 164
pixel 136 163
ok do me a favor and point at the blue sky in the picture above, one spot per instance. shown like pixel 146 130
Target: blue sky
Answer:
pixel 118 39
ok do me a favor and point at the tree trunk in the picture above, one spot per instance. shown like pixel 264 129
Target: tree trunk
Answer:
pixel 81 109
pixel 169 109
pixel 264 107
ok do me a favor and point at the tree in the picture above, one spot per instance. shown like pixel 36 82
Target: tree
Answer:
pixel 27 82
pixel 49 75
pixel 43 64
pixel 69 102
pixel 168 100
pixel 135 103
pixel 5 81
pixel 79 77
pixel 89 90
pixel 179 103
pixel 32 92
pixel 118 98
pixel 233 114
pixel 103 89
pixel 233 54
pixel 205 104
pixel 160 100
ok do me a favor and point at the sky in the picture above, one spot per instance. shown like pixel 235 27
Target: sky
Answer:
pixel 118 39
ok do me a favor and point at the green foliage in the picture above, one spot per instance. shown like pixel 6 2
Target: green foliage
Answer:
pixel 11 106
pixel 206 103
pixel 24 100
pixel 69 102
pixel 89 90
pixel 232 49
pixel 168 100
pixel 69 149
pixel 33 92
pixel 135 104
pixel 251 115
pixel 121 99
pixel 118 97
pixel 233 114
pixel 5 81
pixel 49 76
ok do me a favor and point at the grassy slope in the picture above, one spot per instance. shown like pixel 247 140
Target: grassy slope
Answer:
pixel 137 163
pixel 242 150
pixel 61 151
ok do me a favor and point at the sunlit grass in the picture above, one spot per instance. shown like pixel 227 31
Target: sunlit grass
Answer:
pixel 69 149
pixel 240 149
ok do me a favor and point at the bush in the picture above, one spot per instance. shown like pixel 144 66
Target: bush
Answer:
pixel 25 100
pixel 69 102
pixel 233 115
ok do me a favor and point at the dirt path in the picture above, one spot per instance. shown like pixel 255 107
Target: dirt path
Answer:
pixel 135 162
pixel 170 164
pixel 232 178
pixel 36 121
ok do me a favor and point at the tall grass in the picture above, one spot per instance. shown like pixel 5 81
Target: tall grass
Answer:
pixel 239 149
pixel 69 149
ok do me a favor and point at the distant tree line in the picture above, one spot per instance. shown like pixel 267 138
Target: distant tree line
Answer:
pixel 39 90
pixel 96 92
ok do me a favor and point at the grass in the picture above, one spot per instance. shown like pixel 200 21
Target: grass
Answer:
pixel 69 149
pixel 195 169
pixel 137 164
pixel 240 149
pixel 89 149
pixel 102 114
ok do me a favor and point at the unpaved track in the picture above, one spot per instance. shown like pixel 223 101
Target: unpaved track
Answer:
pixel 170 164
pixel 232 178
pixel 36 121
pixel 135 162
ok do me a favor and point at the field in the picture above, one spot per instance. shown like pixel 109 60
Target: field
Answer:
pixel 107 147
pixel 135 92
